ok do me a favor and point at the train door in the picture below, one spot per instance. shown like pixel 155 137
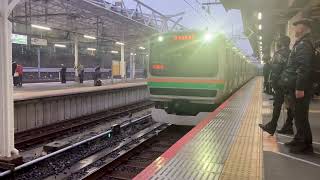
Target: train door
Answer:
pixel 234 70
pixel 227 70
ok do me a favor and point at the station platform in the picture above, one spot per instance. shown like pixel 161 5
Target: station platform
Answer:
pixel 50 89
pixel 229 145
pixel 41 104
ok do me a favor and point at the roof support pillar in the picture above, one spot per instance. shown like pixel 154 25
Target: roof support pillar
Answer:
pixel 7 149
pixel 76 58
pixel 132 65
pixel 122 63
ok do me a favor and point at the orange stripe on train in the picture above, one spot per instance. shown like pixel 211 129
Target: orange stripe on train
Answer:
pixel 179 80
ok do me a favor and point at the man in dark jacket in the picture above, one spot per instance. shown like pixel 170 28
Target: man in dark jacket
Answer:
pixel 299 84
pixel 14 67
pixel 63 73
pixel 278 64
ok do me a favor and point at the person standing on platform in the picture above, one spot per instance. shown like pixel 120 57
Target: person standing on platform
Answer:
pixel 19 71
pixel 81 73
pixel 63 73
pixel 97 75
pixel 297 78
pixel 278 64
pixel 14 67
pixel 266 73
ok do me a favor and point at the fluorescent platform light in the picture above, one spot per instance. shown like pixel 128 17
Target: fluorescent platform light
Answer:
pixel 142 48
pixel 114 52
pixel 60 45
pixel 259 15
pixel 89 37
pixel 91 49
pixel 120 43
pixel 260 27
pixel 40 27
pixel 260 37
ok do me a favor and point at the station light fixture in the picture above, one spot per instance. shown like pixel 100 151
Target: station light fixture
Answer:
pixel 160 38
pixel 259 15
pixel 89 37
pixel 60 45
pixel 142 48
pixel 119 43
pixel 260 42
pixel 40 27
pixel 91 49
pixel 114 52
pixel 260 27
pixel 131 54
pixel 147 55
pixel 260 37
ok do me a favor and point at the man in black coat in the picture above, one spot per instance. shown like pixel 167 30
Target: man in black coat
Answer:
pixel 14 67
pixel 63 73
pixel 278 64
pixel 297 77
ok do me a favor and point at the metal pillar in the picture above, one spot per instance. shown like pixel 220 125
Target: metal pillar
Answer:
pixel 133 71
pixel 6 89
pixel 122 64
pixel 76 58
pixel 39 63
pixel 130 63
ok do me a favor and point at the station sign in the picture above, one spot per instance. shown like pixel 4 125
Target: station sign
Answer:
pixel 39 42
pixel 19 39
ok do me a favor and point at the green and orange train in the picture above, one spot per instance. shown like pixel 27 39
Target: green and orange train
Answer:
pixel 191 72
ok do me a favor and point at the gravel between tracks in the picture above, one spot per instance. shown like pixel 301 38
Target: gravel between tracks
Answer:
pixel 64 160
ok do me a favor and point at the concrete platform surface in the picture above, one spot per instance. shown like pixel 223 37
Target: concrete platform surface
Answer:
pixel 51 89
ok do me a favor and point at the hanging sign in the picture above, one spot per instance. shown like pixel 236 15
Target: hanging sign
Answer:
pixel 39 42
pixel 19 39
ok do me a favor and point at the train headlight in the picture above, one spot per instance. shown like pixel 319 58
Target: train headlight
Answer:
pixel 208 37
pixel 160 38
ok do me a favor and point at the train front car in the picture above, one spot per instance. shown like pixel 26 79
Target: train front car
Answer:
pixel 184 77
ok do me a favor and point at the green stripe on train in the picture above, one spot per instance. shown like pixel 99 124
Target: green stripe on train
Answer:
pixel 210 86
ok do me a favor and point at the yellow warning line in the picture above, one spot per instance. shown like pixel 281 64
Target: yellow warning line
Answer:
pixel 245 161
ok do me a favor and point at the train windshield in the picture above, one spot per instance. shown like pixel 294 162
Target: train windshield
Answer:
pixel 184 57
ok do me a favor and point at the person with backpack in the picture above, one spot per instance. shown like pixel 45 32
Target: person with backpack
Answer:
pixel 97 76
pixel 278 64
pixel 297 79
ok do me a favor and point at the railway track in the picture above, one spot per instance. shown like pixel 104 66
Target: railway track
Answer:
pixel 32 137
pixel 57 162
pixel 129 160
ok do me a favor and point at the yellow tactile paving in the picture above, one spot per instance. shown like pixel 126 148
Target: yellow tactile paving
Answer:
pixel 245 158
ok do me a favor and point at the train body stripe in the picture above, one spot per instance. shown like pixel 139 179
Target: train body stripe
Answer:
pixel 184 80
pixel 207 86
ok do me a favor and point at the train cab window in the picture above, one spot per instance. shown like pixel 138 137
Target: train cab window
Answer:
pixel 183 59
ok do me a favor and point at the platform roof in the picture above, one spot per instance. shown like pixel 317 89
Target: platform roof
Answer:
pixel 110 22
pixel 276 14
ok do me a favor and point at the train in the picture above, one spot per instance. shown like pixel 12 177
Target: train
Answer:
pixel 191 72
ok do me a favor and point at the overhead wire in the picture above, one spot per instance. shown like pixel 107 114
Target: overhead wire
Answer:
pixel 197 11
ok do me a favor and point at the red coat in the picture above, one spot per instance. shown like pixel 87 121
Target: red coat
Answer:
pixel 19 70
